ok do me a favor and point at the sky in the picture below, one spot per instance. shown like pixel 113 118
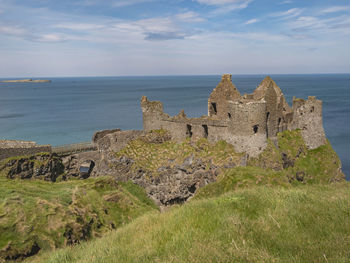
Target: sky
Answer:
pixel 173 37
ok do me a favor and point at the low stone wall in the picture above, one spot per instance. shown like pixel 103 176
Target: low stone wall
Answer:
pixel 12 152
pixel 16 144
pixel 100 134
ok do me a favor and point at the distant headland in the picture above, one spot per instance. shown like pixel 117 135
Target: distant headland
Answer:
pixel 27 81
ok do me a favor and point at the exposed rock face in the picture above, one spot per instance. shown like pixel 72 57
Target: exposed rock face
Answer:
pixel 46 167
pixel 169 185
pixel 81 165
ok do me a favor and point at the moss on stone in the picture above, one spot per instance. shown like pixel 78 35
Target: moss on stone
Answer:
pixel 151 156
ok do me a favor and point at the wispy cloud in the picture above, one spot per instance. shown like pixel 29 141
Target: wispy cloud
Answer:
pixel 79 26
pixel 112 3
pixel 252 21
pixel 220 2
pixel 52 38
pixel 123 3
pixel 190 16
pixel 117 30
pixel 290 13
pixel 159 36
pixel 13 30
pixel 285 2
pixel 175 36
pixel 335 9
pixel 225 6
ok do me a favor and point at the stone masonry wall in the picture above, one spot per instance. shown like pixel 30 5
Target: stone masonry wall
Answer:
pixel 11 152
pixel 245 122
pixel 307 116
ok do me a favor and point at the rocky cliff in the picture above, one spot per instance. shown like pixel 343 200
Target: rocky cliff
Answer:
pixel 172 172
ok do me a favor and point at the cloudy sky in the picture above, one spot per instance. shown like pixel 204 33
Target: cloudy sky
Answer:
pixel 173 37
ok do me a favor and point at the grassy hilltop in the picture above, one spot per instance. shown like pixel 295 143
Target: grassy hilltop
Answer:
pixel 260 224
pixel 290 204
pixel 42 215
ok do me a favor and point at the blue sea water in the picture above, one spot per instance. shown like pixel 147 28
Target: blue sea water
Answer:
pixel 69 110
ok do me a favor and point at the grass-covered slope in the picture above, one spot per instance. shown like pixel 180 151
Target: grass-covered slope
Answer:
pixel 320 165
pixel 152 156
pixel 37 215
pixel 260 224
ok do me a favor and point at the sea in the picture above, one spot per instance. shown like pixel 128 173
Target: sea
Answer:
pixel 70 110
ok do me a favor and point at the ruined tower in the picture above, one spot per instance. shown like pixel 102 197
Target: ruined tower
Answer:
pixel 245 122
pixel 221 95
pixel 307 116
pixel 278 112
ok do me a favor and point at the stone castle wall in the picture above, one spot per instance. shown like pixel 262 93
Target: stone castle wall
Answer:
pixel 12 152
pixel 245 122
pixel 307 116
pixel 12 148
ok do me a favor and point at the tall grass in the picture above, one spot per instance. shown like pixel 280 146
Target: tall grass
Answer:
pixel 51 215
pixel 260 224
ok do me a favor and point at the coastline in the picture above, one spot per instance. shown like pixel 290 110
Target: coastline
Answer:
pixel 26 81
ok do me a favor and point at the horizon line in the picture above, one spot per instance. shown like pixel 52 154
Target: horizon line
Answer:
pixel 169 75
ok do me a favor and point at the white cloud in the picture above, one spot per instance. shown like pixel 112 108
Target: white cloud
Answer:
pixel 251 21
pixel 286 2
pixel 122 3
pixel 335 9
pixel 189 17
pixel 79 26
pixel 13 30
pixel 220 2
pixel 113 3
pixel 290 13
pixel 223 7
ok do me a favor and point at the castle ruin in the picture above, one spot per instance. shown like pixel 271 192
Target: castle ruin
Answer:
pixel 245 121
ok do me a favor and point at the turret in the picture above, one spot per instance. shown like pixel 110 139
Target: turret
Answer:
pixel 152 112
pixel 218 99
pixel 307 116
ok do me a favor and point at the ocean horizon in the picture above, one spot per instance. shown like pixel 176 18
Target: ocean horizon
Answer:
pixel 72 109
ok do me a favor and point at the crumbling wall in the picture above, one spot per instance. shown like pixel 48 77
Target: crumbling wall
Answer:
pixel 218 99
pixel 115 141
pixel 247 126
pixel 6 152
pixel 278 112
pixel 153 114
pixel 245 122
pixel 307 116
pixel 100 134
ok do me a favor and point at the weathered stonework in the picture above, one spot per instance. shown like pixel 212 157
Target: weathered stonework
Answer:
pixel 307 116
pixel 243 121
pixel 12 148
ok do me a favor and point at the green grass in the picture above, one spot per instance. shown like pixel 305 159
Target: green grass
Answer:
pixel 258 213
pixel 310 223
pixel 53 215
pixel 151 156
pixel 320 165
pixel 243 177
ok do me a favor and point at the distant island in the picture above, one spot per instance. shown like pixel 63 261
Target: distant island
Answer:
pixel 27 81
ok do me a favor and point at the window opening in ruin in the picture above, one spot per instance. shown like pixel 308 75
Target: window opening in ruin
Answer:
pixel 279 121
pixel 205 127
pixel 189 131
pixel 213 106
pixel 229 115
pixel 267 124
pixel 255 128
pixel 312 109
